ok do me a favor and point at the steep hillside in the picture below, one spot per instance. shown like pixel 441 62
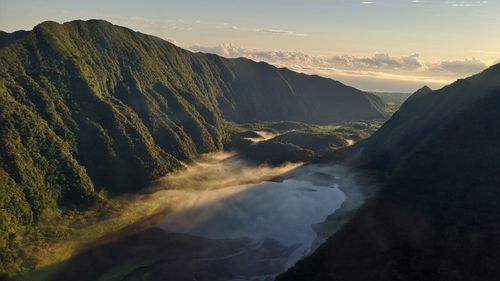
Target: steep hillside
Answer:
pixel 436 216
pixel 89 109
pixel 9 38
pixel 261 92
pixel 422 115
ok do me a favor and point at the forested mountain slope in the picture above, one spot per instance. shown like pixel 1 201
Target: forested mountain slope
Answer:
pixel 88 108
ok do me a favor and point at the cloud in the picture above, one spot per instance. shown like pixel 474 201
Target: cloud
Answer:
pixel 382 62
pixel 377 61
pixel 382 66
pixel 465 4
pixel 275 31
pixel 460 67
pixel 279 31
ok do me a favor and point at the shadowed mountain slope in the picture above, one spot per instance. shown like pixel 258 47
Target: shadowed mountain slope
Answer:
pixel 436 216
pixel 9 38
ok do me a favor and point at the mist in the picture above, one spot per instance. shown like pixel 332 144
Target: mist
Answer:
pixel 221 169
pixel 264 135
pixel 224 196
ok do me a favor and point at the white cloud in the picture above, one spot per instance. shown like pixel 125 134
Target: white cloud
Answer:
pixel 377 61
pixel 378 66
pixel 459 67
pixel 465 4
pixel 279 31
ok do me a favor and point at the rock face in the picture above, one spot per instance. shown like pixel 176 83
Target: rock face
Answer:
pixel 436 216
pixel 89 107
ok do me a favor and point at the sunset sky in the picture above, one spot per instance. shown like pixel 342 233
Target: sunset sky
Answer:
pixel 378 45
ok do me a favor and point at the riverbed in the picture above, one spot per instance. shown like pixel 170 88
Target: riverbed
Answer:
pixel 283 211
pixel 228 219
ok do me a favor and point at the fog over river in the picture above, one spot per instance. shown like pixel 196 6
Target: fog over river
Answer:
pixel 283 211
pixel 227 219
pixel 281 203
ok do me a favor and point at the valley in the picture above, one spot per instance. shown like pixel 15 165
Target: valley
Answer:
pixel 223 209
pixel 93 114
pixel 124 157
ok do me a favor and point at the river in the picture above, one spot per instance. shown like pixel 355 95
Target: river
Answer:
pixel 228 220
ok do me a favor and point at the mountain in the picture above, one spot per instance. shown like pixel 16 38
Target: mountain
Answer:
pixel 422 115
pixel 89 109
pixel 9 38
pixel 437 213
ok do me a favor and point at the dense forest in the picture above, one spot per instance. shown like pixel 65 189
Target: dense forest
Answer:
pixel 89 110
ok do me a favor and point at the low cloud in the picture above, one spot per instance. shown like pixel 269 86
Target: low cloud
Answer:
pixel 460 67
pixel 377 61
pixel 379 66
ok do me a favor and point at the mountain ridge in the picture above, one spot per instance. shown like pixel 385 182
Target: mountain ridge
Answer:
pixel 374 108
pixel 89 110
pixel 435 216
pixel 7 38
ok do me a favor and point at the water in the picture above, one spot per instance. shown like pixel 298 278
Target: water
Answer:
pixel 284 211
pixel 227 219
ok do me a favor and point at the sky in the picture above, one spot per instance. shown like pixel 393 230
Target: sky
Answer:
pixel 377 45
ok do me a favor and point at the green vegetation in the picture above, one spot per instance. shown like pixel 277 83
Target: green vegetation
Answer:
pixel 299 142
pixel 55 240
pixel 89 111
pixel 393 100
